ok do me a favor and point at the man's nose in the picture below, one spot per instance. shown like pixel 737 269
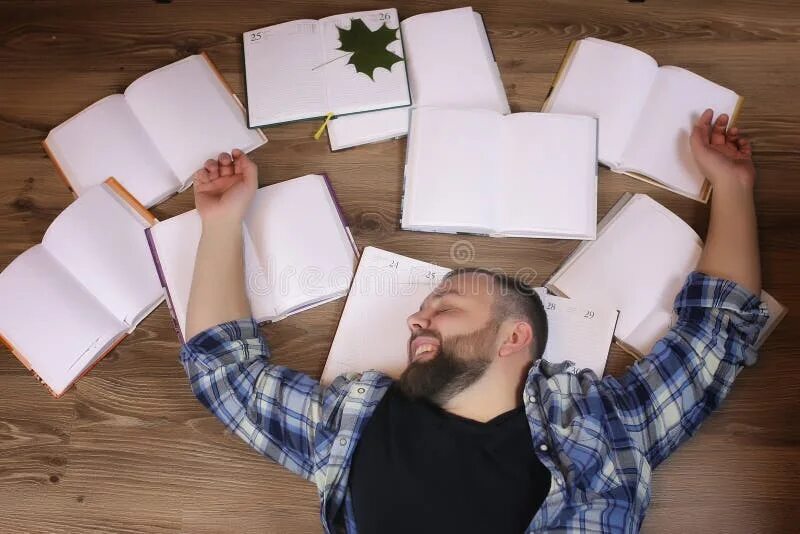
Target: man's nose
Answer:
pixel 418 321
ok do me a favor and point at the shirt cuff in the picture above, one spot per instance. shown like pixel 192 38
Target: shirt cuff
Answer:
pixel 224 343
pixel 703 295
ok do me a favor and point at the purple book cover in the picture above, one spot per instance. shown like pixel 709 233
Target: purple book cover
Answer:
pixel 154 252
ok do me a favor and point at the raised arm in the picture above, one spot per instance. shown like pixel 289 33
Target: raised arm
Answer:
pixel 664 398
pixel 276 410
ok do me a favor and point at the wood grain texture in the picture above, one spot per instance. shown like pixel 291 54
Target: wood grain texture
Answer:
pixel 130 450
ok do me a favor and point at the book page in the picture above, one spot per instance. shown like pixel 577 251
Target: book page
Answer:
pixel 302 247
pixel 101 242
pixel 361 128
pixel 660 143
pixel 372 332
pixel 450 63
pixel 452 169
pixel 547 185
pixel 190 115
pixel 637 265
pixel 55 324
pixel 578 331
pixel 105 140
pixel 176 241
pixel 349 91
pixel 283 73
pixel 609 81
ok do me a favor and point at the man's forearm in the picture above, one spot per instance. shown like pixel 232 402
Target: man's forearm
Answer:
pixel 218 287
pixel 731 249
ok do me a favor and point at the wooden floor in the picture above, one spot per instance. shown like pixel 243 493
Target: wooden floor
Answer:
pixel 130 450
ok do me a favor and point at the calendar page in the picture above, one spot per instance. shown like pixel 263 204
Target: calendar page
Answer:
pixel 372 332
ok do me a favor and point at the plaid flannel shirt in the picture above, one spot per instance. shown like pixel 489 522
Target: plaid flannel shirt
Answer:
pixel 600 438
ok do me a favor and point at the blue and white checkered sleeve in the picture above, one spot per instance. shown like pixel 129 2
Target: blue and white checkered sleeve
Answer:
pixel 272 408
pixel 664 398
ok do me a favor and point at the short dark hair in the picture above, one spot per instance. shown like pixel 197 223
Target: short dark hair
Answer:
pixel 513 297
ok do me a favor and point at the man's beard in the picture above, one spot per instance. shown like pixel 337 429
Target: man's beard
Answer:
pixel 461 361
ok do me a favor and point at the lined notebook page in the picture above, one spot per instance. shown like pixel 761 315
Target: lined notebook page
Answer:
pixel 293 50
pixel 578 331
pixel 372 332
pixel 349 91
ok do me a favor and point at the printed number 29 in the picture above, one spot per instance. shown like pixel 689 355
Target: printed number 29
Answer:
pixel 384 16
pixel 255 36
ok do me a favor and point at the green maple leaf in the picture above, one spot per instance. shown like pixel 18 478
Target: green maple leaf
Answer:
pixel 368 47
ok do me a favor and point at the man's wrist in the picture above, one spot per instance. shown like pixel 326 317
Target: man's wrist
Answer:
pixel 227 227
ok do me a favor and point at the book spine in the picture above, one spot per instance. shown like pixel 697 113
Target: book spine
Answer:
pixel 560 74
pixel 228 88
pixel 129 199
pixel 154 252
pixel 339 210
pixel 59 169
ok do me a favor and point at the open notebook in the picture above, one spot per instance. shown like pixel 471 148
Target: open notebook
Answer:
pixel 155 135
pixel 69 300
pixel 298 252
pixel 342 64
pixel 458 71
pixel 477 171
pixel 639 262
pixel 388 287
pixel 646 112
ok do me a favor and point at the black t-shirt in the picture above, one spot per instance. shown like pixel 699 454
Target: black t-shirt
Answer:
pixel 420 469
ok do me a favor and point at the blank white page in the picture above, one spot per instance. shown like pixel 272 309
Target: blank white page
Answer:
pixel 101 242
pixel 105 140
pixel 283 71
pixel 51 319
pixel 637 265
pixel 372 332
pixel 450 63
pixel 659 146
pixel 609 81
pixel 452 164
pixel 578 331
pixel 349 91
pixel 190 115
pixel 360 128
pixel 301 243
pixel 548 178
pixel 176 242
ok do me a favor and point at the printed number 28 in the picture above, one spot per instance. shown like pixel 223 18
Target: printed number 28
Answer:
pixel 255 36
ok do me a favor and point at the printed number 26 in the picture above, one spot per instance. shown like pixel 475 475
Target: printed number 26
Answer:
pixel 384 16
pixel 255 36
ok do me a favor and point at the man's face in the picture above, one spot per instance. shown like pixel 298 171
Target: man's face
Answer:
pixel 453 339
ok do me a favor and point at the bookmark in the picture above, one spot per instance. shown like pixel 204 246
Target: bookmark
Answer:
pixel 324 125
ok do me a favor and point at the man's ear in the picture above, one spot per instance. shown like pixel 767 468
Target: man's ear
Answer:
pixel 518 338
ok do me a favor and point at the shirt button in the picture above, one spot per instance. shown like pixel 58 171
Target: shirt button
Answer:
pixel 532 399
pixel 343 441
pixel 361 390
pixel 543 447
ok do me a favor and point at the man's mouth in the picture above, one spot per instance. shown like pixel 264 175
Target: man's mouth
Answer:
pixel 423 348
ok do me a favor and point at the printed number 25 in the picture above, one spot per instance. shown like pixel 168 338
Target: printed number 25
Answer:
pixel 255 36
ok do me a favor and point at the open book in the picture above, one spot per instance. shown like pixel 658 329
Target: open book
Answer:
pixel 155 135
pixel 308 68
pixel 458 71
pixel 524 174
pixel 69 300
pixel 639 262
pixel 646 112
pixel 388 287
pixel 298 252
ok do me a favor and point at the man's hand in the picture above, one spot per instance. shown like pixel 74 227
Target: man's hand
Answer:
pixel 724 157
pixel 224 187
